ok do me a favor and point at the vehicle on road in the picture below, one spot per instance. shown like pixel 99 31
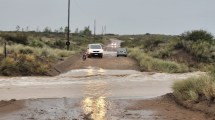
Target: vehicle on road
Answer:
pixel 122 52
pixel 113 44
pixel 94 50
pixel 84 56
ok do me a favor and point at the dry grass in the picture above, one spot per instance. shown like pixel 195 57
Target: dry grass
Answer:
pixel 21 64
pixel 195 89
pixel 25 60
pixel 43 52
pixel 1 50
pixel 148 63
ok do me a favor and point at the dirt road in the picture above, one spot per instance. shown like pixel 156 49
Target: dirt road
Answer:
pixel 109 61
pixel 94 93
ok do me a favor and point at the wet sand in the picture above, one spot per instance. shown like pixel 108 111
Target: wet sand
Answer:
pixel 98 108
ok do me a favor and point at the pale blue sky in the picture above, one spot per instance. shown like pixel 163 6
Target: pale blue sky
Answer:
pixel 120 16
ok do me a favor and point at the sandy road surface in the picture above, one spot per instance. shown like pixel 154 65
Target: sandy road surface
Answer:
pixel 93 93
pixel 109 61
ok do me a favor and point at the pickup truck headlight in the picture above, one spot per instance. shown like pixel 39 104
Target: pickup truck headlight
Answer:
pixel 90 51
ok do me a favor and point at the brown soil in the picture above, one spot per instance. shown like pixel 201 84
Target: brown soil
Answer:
pixel 167 107
pixel 76 62
pixel 10 106
pixel 204 106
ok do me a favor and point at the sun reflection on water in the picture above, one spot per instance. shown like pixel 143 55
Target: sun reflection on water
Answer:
pixel 97 107
pixel 95 104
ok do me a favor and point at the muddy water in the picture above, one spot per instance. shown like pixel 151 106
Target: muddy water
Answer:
pixel 91 82
pixel 87 93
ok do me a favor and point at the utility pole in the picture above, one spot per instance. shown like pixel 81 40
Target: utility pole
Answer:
pixel 102 30
pixel 105 29
pixel 68 32
pixel 94 31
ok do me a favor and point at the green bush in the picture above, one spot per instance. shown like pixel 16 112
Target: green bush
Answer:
pixel 148 63
pixel 20 38
pixel 202 51
pixel 60 44
pixel 197 35
pixel 200 44
pixel 37 43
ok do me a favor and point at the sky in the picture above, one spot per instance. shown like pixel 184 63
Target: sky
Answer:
pixel 171 17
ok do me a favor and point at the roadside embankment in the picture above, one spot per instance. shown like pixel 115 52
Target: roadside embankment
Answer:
pixel 149 64
pixel 197 93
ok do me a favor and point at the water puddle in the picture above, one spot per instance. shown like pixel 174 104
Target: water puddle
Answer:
pixel 95 108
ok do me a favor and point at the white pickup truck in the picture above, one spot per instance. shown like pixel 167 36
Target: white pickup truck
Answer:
pixel 94 50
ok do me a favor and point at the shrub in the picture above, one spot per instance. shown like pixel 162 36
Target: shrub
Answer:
pixel 42 52
pixel 195 89
pixel 197 35
pixel 148 63
pixel 23 65
pixel 60 44
pixel 200 44
pixel 7 66
pixel 20 38
pixel 26 51
pixel 36 43
pixel 162 53
pixel 202 51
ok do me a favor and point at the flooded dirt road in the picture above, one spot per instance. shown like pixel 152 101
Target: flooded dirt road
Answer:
pixel 92 93
pixel 87 94
pixel 91 82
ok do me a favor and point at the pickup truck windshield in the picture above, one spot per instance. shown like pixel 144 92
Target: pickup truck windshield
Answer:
pixel 95 47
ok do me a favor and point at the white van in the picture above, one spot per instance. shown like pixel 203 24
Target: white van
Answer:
pixel 94 50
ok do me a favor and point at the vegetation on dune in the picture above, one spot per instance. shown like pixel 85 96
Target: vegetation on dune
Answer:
pixel 26 60
pixel 42 52
pixel 34 53
pixel 148 63
pixel 20 64
pixel 197 35
pixel 200 44
pixel 195 89
pixel 195 48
